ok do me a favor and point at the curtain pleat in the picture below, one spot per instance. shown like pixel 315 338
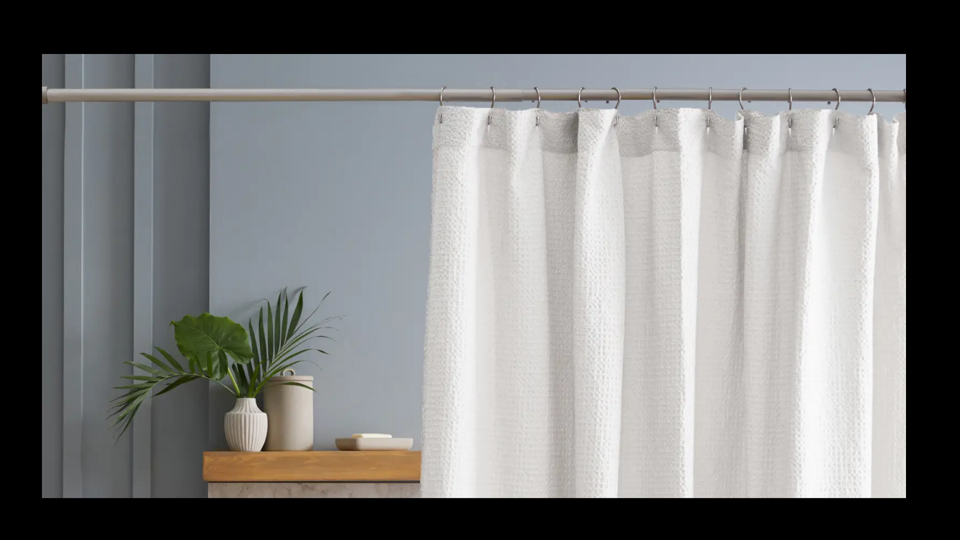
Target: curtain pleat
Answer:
pixel 666 305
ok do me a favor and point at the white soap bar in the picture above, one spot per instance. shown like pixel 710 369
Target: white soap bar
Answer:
pixel 371 436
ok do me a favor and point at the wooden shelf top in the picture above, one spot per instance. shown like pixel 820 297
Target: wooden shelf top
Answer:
pixel 280 467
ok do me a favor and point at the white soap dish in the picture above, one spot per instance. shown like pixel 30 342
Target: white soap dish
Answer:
pixel 372 444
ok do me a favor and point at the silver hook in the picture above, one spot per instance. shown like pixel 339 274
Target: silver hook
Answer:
pixel 656 118
pixel 441 102
pixel 741 108
pixel 616 120
pixel 619 97
pixel 709 104
pixel 579 96
pixel 538 104
pixel 874 96
pixel 492 105
pixel 790 101
pixel 836 122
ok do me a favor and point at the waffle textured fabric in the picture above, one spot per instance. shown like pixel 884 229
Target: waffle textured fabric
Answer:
pixel 667 305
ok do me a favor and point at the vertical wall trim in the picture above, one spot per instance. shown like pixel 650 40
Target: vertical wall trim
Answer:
pixel 143 268
pixel 73 285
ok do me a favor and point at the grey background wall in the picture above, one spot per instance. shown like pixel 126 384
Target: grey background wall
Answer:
pixel 51 275
pixel 333 196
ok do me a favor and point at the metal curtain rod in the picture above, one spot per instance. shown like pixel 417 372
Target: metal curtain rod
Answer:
pixel 66 95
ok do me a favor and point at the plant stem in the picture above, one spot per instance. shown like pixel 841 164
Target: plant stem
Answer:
pixel 234 381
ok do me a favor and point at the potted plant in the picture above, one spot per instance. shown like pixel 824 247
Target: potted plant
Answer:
pixel 216 349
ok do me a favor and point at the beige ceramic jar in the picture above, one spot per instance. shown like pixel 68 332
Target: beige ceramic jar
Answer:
pixel 290 413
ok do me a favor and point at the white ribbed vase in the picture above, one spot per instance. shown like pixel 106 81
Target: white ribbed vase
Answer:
pixel 245 427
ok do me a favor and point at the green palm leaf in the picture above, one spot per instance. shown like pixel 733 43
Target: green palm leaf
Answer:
pixel 276 325
pixel 270 349
pixel 170 386
pixel 253 343
pixel 139 378
pixel 173 361
pixel 157 362
pixel 263 342
pixel 296 317
pixel 242 379
pixel 298 384
pixel 148 369
pixel 286 313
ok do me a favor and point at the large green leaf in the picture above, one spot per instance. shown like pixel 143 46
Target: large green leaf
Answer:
pixel 205 337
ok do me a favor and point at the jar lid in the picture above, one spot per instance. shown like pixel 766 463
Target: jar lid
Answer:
pixel 292 377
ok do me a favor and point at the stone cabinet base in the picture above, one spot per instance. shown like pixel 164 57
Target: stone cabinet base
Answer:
pixel 314 491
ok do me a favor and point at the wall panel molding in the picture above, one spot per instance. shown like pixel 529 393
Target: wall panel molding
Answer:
pixel 73 337
pixel 52 118
pixel 126 201
pixel 143 221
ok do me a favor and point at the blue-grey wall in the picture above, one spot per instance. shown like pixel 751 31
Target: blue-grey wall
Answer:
pixel 118 178
pixel 181 266
pixel 52 282
pixel 336 196
pixel 181 210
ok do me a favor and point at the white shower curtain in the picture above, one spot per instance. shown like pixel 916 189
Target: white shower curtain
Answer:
pixel 668 305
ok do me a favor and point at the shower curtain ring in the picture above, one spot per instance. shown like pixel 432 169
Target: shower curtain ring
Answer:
pixel 619 97
pixel 537 90
pixel 709 104
pixel 580 97
pixel 741 97
pixel 492 105
pixel 874 104
pixel 836 121
pixel 790 101
pixel 656 116
pixel 616 121
pixel 441 102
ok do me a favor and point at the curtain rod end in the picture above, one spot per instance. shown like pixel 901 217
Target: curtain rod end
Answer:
pixel 43 95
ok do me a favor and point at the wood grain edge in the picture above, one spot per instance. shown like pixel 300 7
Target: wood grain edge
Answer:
pixel 287 467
